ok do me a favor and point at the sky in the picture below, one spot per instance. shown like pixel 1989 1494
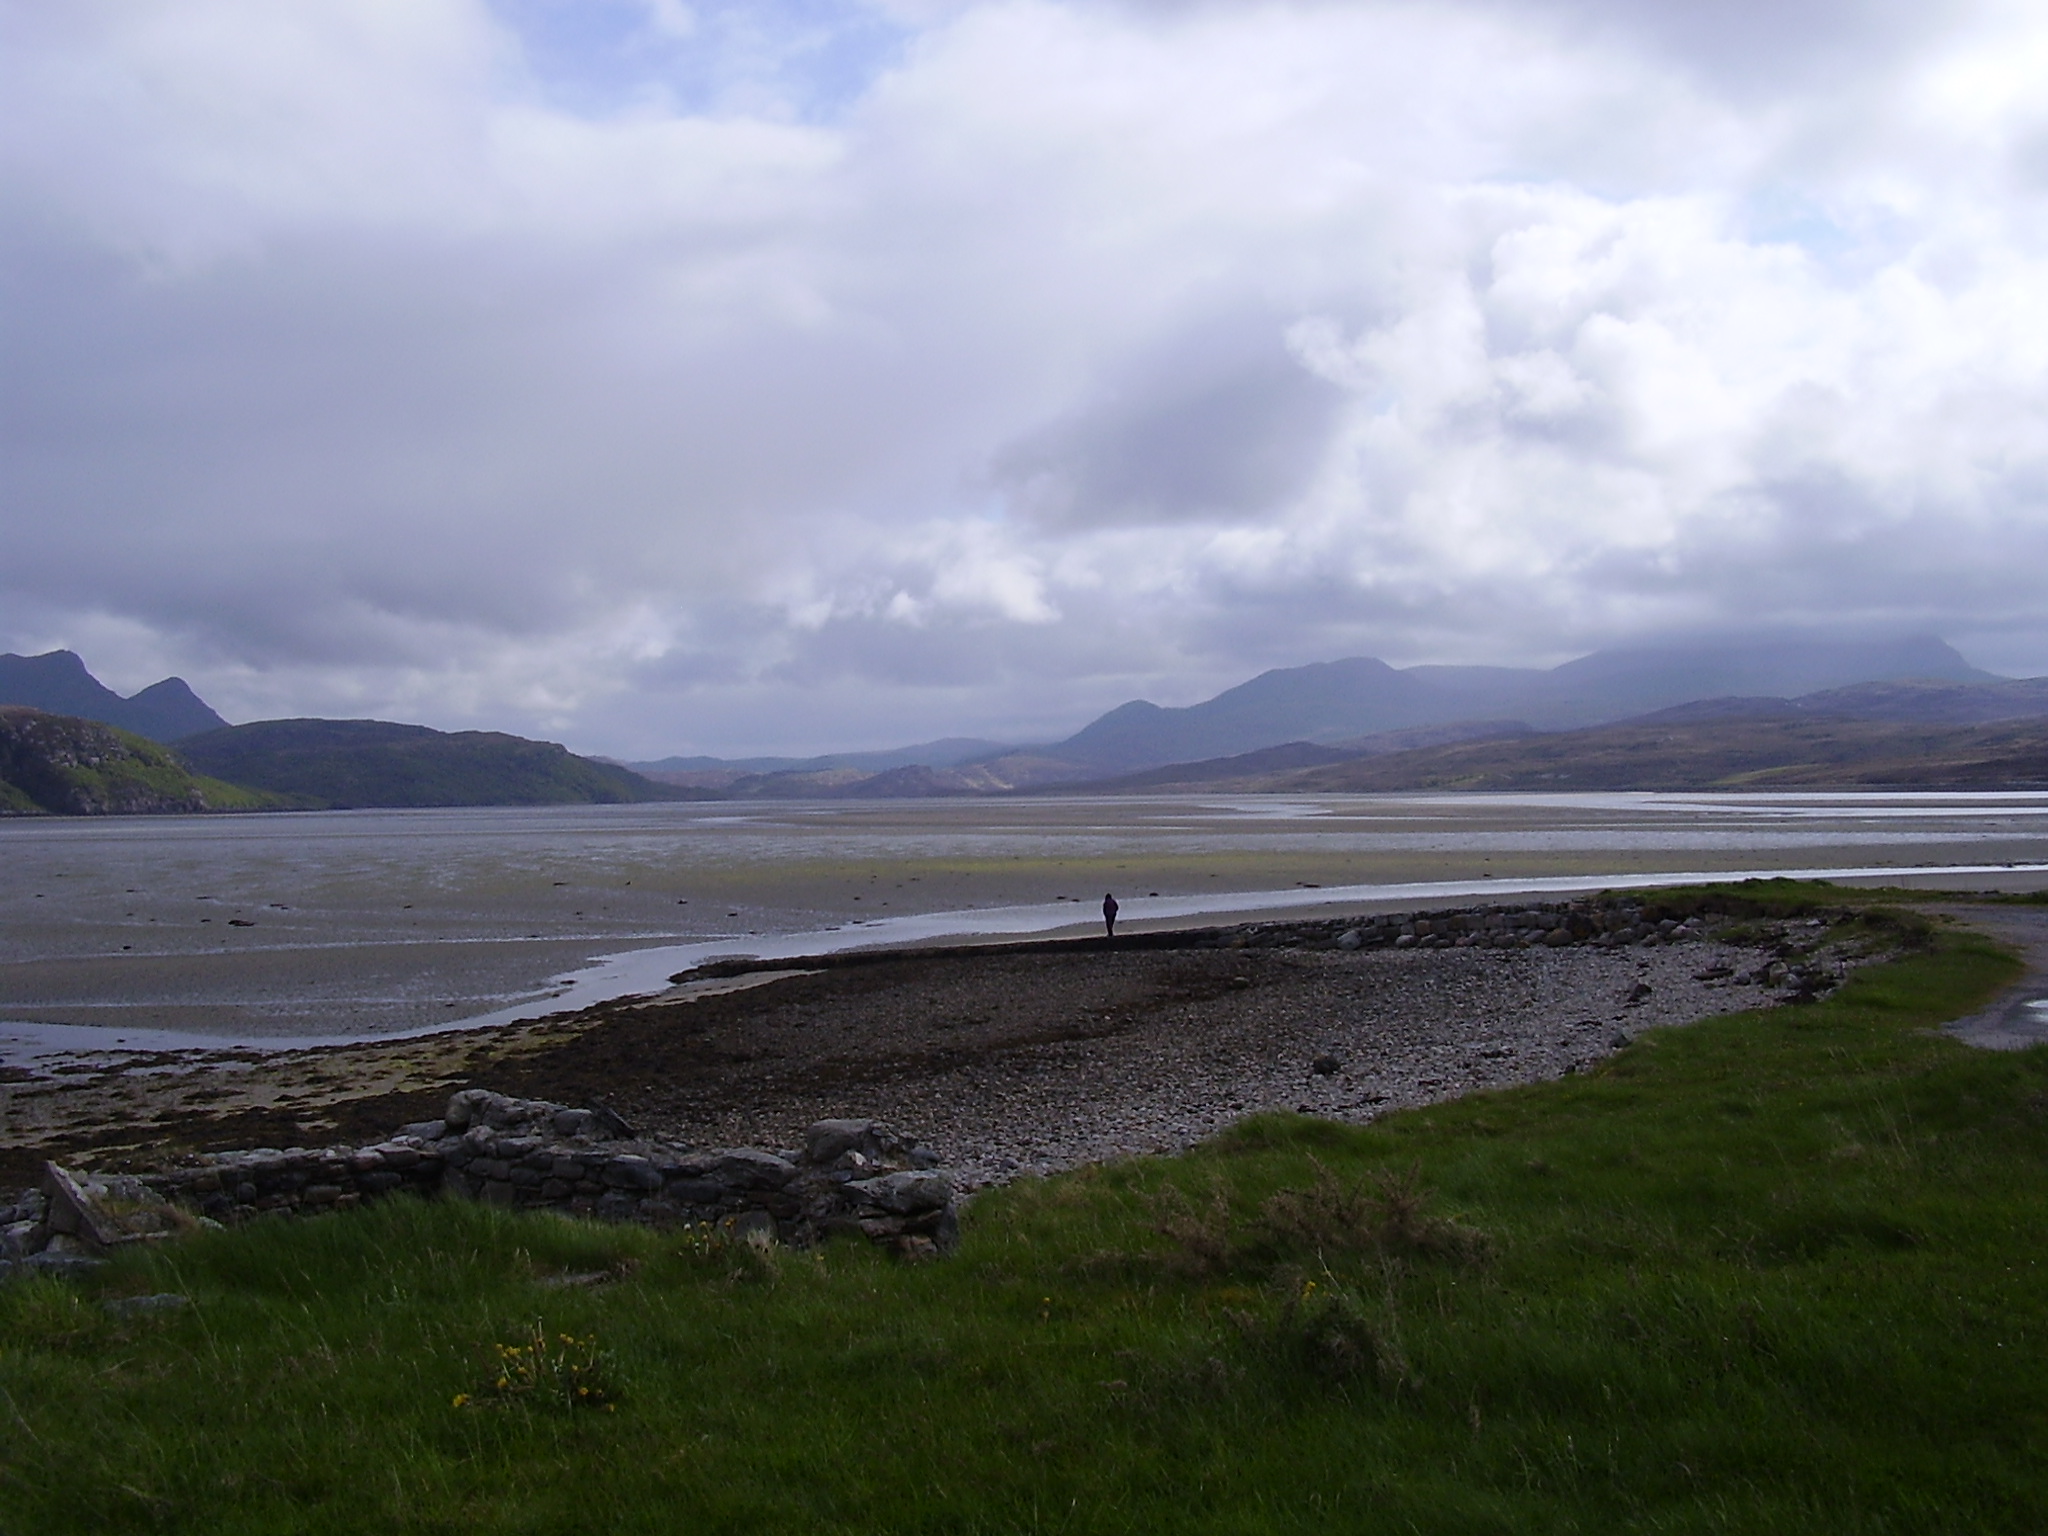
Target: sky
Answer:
pixel 790 375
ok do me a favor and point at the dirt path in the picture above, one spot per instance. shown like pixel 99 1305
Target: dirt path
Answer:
pixel 2019 1018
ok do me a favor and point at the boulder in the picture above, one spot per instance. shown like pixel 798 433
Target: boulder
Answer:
pixel 827 1141
pixel 744 1168
pixel 105 1210
pixel 905 1194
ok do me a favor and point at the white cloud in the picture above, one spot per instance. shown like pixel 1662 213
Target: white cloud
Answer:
pixel 1042 354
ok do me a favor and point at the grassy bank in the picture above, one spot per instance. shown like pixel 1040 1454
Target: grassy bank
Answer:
pixel 1773 1272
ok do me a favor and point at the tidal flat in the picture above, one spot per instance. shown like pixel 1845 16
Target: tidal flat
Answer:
pixel 146 933
pixel 1770 1272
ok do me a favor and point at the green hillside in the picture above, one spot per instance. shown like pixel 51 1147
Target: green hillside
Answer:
pixel 318 764
pixel 56 765
pixel 1665 753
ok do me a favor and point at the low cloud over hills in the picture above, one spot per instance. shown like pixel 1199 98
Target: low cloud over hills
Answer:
pixel 1308 727
pixel 1336 701
pixel 1827 711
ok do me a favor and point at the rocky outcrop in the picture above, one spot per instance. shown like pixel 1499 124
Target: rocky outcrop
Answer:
pixel 851 1177
pixel 54 764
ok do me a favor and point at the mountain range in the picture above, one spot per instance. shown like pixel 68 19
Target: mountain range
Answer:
pixel 1338 701
pixel 1361 707
pixel 58 683
pixel 1767 709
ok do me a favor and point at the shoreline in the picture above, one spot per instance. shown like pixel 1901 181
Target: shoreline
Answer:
pixel 1033 1057
pixel 654 970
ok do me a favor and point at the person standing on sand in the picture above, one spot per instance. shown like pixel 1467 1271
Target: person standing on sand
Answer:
pixel 1109 914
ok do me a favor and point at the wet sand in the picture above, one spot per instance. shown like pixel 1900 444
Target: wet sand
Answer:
pixel 367 922
pixel 1036 1057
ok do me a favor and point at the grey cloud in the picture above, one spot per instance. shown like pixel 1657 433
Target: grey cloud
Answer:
pixel 1757 46
pixel 1221 422
pixel 1744 45
pixel 1082 356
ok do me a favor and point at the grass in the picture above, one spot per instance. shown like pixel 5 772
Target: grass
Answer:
pixel 1776 1272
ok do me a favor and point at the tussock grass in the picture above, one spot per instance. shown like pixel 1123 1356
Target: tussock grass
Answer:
pixel 1776 1272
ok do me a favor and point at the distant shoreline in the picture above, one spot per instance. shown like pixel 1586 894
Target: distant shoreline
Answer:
pixel 650 971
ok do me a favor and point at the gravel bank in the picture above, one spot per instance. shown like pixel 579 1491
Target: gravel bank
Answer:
pixel 1004 1060
pixel 1028 1063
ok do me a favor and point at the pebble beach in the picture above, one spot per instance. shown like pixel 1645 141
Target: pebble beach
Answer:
pixel 1004 1061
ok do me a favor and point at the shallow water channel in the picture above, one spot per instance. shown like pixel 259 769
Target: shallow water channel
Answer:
pixel 141 933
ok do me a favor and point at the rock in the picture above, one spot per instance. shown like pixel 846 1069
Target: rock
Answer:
pixel 869 1141
pixel 105 1210
pixel 69 1265
pixel 826 1141
pixel 1326 1066
pixel 695 1191
pixel 745 1169
pixel 906 1194
pixel 512 1152
pixel 1351 938
pixel 576 1122
pixel 609 1122
pixel 628 1171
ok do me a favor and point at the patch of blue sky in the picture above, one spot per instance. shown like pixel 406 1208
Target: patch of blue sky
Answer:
pixel 798 60
pixel 1777 214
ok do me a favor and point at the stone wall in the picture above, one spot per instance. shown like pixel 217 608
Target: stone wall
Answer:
pixel 851 1177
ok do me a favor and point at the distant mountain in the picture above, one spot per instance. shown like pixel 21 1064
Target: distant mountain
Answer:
pixel 1613 684
pixel 61 765
pixel 356 763
pixel 1680 750
pixel 1329 702
pixel 1934 703
pixel 58 682
pixel 1253 771
pixel 720 772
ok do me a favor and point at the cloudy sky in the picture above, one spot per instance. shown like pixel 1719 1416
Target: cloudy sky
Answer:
pixel 801 374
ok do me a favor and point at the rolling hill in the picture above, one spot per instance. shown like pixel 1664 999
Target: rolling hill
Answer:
pixel 1683 749
pixel 341 764
pixel 59 765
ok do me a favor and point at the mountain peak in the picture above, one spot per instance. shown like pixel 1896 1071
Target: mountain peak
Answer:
pixel 57 681
pixel 1332 701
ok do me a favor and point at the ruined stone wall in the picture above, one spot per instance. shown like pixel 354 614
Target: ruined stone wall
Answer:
pixel 854 1177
